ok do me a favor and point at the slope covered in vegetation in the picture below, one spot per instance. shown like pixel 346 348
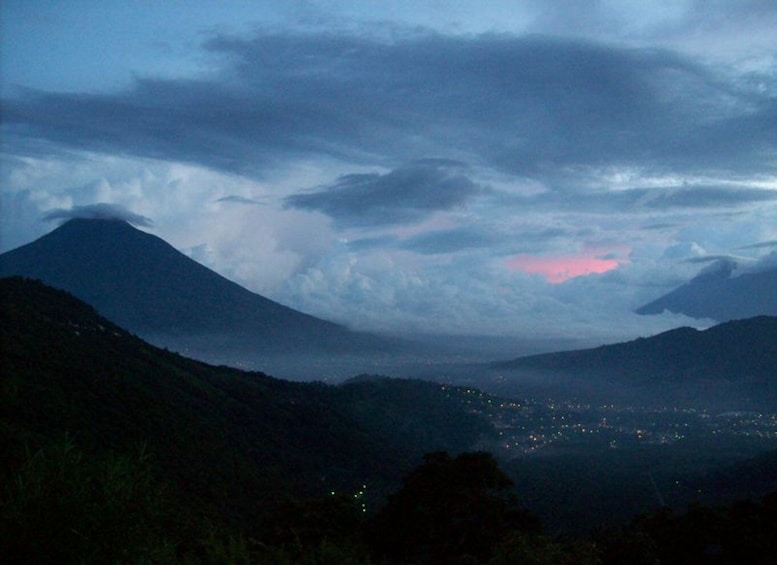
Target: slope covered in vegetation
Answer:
pixel 227 438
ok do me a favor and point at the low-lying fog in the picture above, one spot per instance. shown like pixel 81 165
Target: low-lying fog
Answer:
pixel 410 356
pixel 468 361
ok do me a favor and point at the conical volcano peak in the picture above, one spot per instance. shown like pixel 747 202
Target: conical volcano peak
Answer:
pixel 96 225
pixel 723 291
pixel 144 284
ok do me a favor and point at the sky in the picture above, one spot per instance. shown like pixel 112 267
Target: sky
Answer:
pixel 526 168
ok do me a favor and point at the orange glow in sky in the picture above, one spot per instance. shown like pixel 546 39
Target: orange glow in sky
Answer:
pixel 559 269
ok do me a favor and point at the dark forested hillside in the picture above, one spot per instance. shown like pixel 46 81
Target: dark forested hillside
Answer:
pixel 732 349
pixel 233 442
pixel 733 361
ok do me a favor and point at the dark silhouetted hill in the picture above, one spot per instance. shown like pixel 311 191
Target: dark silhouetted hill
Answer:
pixel 720 296
pixel 740 356
pixel 143 284
pixel 231 442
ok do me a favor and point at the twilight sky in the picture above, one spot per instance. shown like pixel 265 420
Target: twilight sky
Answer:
pixel 522 168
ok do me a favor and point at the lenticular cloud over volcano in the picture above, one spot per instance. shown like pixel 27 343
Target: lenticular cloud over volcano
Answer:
pixel 102 211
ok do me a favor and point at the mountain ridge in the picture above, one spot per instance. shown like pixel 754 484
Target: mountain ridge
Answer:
pixel 732 362
pixel 716 350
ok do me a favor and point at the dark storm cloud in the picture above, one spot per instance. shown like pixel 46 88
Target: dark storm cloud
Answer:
pixel 646 199
pixel 707 197
pixel 498 240
pixel 403 195
pixel 759 245
pixel 101 211
pixel 450 241
pixel 368 243
pixel 530 105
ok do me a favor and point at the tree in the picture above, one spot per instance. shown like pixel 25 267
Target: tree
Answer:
pixel 448 511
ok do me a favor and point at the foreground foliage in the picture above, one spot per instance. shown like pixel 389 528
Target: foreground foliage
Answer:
pixel 65 505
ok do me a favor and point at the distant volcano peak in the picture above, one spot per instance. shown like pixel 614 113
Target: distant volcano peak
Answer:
pixel 142 283
pixel 716 294
pixel 719 269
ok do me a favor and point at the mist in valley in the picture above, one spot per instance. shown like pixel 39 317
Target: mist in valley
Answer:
pixel 605 444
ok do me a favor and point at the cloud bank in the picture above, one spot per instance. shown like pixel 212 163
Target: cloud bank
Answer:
pixel 535 106
pixel 545 171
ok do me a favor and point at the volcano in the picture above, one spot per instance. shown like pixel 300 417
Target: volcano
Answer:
pixel 142 283
pixel 721 295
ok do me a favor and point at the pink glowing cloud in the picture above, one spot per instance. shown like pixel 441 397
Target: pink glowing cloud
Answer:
pixel 564 267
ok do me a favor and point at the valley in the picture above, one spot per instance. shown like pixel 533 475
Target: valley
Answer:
pixel 251 412
pixel 610 462
pixel 543 428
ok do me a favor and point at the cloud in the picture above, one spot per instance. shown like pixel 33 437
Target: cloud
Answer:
pixel 101 211
pixel 406 194
pixel 471 295
pixel 760 245
pixel 240 200
pixel 703 196
pixel 450 240
pixel 719 260
pixel 368 243
pixel 687 250
pixel 647 200
pixel 530 105
pixel 557 269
